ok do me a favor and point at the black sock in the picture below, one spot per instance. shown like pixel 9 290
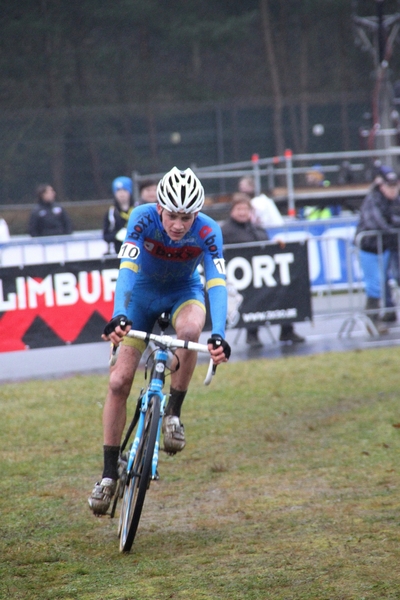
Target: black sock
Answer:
pixel 175 402
pixel 111 454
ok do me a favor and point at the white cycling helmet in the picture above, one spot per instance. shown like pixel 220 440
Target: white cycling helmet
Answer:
pixel 180 191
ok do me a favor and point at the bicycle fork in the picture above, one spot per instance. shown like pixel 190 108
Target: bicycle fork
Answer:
pixel 156 385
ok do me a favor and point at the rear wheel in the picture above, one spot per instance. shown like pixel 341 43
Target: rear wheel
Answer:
pixel 139 479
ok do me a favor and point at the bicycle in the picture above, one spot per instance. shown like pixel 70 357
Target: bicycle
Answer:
pixel 138 466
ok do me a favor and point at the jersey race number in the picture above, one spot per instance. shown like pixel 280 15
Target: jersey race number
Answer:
pixel 219 265
pixel 129 250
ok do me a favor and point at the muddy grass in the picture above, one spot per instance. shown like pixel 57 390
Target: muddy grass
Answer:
pixel 289 488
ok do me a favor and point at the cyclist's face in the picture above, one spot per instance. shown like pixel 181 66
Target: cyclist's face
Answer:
pixel 176 225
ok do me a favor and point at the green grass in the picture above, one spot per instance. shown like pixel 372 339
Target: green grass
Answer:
pixel 289 488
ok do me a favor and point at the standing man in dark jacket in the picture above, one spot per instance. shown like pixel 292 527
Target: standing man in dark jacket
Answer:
pixel 48 218
pixel 117 216
pixel 380 212
pixel 239 229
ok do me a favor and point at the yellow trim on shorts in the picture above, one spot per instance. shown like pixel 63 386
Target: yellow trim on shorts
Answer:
pixel 134 343
pixel 187 303
pixel 214 282
pixel 129 265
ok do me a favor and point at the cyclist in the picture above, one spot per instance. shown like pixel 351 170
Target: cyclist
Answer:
pixel 158 273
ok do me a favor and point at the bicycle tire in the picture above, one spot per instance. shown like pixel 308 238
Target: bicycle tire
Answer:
pixel 138 484
pixel 121 484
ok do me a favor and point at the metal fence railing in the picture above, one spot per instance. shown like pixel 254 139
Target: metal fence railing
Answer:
pixel 289 170
pixel 336 277
pixel 24 250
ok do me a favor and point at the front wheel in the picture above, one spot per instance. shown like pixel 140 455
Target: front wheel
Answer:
pixel 139 478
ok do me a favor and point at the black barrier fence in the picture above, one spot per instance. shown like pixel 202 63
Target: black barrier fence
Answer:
pixel 59 304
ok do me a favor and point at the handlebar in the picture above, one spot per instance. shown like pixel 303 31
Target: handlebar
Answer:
pixel 167 341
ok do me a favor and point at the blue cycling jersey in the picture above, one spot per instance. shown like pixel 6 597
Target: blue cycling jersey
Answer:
pixel 150 258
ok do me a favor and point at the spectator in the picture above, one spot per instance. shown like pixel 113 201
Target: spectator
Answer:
pixel 48 218
pixel 316 213
pixel 116 218
pixel 265 212
pixel 4 232
pixel 315 177
pixel 380 211
pixel 238 228
pixel 147 191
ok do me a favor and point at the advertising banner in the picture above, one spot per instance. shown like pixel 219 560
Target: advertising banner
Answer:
pixel 58 304
pixel 332 259
pixel 52 305
pixel 268 283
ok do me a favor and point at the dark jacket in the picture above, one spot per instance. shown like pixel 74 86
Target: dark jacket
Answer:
pixel 48 218
pixel 234 232
pixel 114 220
pixel 378 213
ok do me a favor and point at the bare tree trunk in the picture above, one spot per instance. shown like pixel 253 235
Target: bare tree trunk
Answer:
pixel 89 129
pixel 235 133
pixel 125 112
pixel 129 139
pixel 273 67
pixel 57 162
pixel 344 121
pixel 58 154
pixel 196 59
pixel 152 132
pixel 344 81
pixel 303 89
pixel 287 74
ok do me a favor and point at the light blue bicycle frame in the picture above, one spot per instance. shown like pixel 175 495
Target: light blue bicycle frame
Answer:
pixel 155 388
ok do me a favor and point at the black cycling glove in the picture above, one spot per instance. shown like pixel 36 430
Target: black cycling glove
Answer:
pixel 120 320
pixel 216 340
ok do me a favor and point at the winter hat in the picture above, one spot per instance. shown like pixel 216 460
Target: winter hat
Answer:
pixel 122 183
pixel 388 175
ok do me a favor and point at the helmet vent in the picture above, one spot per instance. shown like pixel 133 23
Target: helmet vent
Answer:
pixel 172 199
